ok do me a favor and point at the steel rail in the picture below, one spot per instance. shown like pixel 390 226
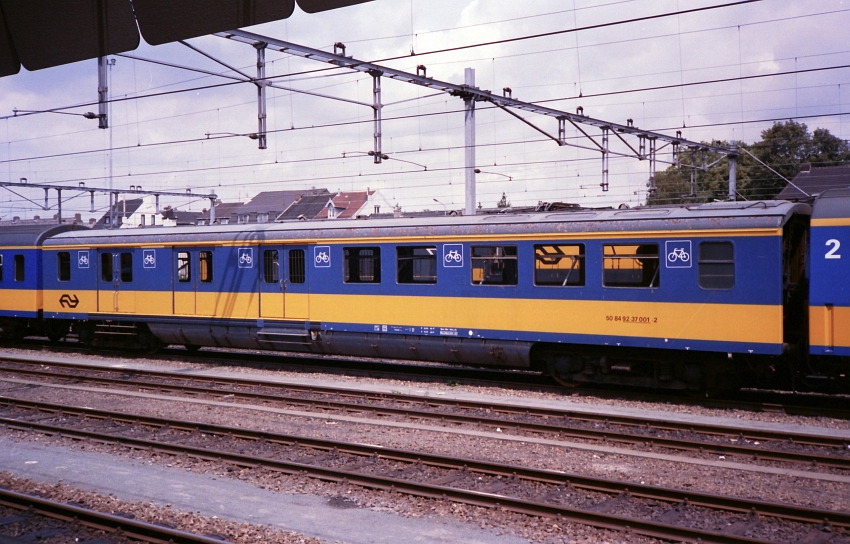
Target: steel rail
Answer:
pixel 563 479
pixel 749 433
pixel 137 530
pixel 550 428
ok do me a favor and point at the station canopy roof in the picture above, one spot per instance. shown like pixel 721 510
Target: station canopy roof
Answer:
pixel 44 33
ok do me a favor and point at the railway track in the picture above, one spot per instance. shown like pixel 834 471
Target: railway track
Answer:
pixel 35 519
pixel 751 400
pixel 634 431
pixel 641 509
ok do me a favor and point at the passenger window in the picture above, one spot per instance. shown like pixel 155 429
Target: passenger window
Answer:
pixel 494 265
pixel 19 268
pixel 297 266
pixel 126 267
pixel 559 264
pixel 1 267
pixel 271 266
pixel 417 264
pixel 630 265
pixel 716 265
pixel 106 266
pixel 362 265
pixel 205 270
pixel 184 267
pixel 64 264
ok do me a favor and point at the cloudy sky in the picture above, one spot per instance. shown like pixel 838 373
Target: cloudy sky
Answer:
pixel 661 72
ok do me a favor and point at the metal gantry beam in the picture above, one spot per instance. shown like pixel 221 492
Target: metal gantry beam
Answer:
pixel 113 195
pixel 478 94
pixel 470 94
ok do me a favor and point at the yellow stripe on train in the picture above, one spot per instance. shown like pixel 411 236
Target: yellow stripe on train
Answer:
pixel 21 300
pixel 829 326
pixel 710 322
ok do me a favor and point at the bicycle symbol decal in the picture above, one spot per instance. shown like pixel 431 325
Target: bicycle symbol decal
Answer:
pixel 453 255
pixel 322 256
pixel 246 257
pixel 82 259
pixel 149 258
pixel 678 253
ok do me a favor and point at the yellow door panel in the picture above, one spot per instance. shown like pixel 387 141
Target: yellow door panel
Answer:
pixel 184 303
pixel 297 306
pixel 271 305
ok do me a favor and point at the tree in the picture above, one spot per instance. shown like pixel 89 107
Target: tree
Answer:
pixel 784 147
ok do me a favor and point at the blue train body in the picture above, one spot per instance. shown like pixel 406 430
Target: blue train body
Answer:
pixel 681 297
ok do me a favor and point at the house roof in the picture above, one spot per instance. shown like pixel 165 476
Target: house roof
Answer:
pixel 132 206
pixel 276 201
pixel 351 202
pixel 223 209
pixel 815 181
pixel 308 205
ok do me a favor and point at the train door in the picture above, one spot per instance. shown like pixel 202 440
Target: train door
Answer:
pixel 283 282
pixel 194 293
pixel 115 288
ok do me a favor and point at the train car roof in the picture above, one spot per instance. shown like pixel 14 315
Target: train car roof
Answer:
pixel 833 203
pixel 717 215
pixel 32 235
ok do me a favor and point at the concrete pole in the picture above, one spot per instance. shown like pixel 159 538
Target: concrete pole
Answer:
pixel 733 172
pixel 469 143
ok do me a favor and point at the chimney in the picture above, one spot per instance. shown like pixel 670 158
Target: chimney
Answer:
pixel 92 221
pixel 806 167
pixel 78 218
pixel 16 219
pixel 36 218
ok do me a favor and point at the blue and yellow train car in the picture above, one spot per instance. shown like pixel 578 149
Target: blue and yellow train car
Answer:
pixel 673 297
pixel 21 276
pixel 829 298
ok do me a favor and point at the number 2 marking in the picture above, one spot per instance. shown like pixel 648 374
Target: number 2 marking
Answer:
pixel 831 254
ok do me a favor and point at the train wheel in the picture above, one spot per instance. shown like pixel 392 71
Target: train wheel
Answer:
pixel 57 330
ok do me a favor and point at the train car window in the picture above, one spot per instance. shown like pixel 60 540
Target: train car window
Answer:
pixel 126 267
pixel 19 268
pixel 271 266
pixel 106 266
pixel 297 266
pixel 205 268
pixel 494 265
pixel 716 265
pixel 630 265
pixel 184 266
pixel 417 264
pixel 362 265
pixel 1 267
pixel 559 264
pixel 64 265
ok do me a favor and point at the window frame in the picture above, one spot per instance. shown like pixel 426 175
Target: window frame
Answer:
pixel 489 261
pixel 63 264
pixel 20 268
pixel 106 264
pixel 184 263
pixel 414 259
pixel 297 268
pixel 701 261
pixel 271 264
pixel 580 258
pixel 354 260
pixel 205 266
pixel 125 260
pixel 655 280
